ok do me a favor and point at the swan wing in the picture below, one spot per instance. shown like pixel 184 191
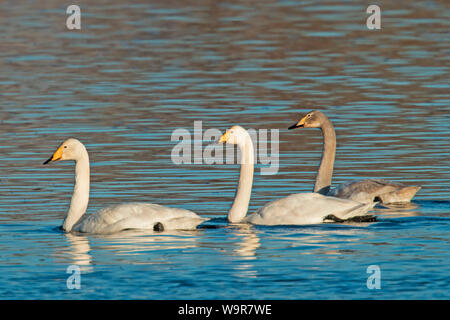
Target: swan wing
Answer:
pixel 306 208
pixel 368 190
pixel 138 216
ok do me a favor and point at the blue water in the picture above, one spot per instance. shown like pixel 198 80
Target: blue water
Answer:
pixel 137 72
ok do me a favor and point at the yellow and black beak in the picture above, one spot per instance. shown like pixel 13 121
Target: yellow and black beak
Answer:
pixel 299 124
pixel 223 138
pixel 56 156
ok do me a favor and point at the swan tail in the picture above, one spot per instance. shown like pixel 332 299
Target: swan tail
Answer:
pixel 399 196
pixel 359 210
pixel 332 218
pixel 354 214
pixel 158 227
pixel 364 218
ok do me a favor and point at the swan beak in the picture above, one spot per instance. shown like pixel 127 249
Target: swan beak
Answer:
pixel 299 124
pixel 56 156
pixel 223 138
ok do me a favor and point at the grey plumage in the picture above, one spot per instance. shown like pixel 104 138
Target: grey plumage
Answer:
pixel 367 190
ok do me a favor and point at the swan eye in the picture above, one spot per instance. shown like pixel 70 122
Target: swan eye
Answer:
pixel 65 147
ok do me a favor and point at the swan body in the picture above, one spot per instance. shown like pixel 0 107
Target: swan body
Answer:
pixel 137 216
pixel 367 190
pixel 296 209
pixel 117 217
pixel 370 190
pixel 307 208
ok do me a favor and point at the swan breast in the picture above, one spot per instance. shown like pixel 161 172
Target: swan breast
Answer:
pixel 306 208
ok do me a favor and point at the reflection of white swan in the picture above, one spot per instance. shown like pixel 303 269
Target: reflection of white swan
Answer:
pixel 249 242
pixel 119 217
pixel 367 190
pixel 80 251
pixel 132 245
pixel 330 241
pixel 296 209
pixel 135 242
pixel 398 210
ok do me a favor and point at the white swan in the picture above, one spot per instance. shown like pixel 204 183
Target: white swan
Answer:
pixel 365 191
pixel 296 209
pixel 118 217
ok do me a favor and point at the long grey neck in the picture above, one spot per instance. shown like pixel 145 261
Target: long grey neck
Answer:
pixel 241 201
pixel 80 197
pixel 325 174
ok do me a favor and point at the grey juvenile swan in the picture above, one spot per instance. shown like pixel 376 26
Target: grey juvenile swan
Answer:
pixel 365 191
pixel 296 209
pixel 119 217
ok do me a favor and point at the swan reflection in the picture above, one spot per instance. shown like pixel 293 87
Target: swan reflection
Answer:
pixel 249 241
pixel 79 251
pixel 329 239
pixel 245 245
pixel 409 209
pixel 135 242
pixel 126 243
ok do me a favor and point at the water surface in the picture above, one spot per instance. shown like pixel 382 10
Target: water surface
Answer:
pixel 138 71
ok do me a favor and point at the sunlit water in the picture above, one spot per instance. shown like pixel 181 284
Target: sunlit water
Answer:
pixel 136 72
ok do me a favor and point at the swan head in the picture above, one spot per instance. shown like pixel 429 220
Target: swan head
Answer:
pixel 235 135
pixel 313 119
pixel 71 149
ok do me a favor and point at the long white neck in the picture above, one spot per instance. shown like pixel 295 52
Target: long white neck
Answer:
pixel 80 197
pixel 325 174
pixel 241 201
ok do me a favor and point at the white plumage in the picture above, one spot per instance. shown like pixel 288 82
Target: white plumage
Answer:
pixel 137 216
pixel 296 209
pixel 307 208
pixel 118 217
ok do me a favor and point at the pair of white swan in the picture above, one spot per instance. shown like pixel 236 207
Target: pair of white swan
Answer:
pixel 297 209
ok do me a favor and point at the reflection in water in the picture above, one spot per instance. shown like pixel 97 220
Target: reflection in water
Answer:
pixel 392 210
pixel 137 242
pixel 246 242
pixel 138 71
pixel 129 243
pixel 335 241
pixel 79 251
pixel 325 239
pixel 130 246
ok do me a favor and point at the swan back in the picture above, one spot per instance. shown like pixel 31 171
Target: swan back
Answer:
pixel 369 190
pixel 306 208
pixel 138 216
